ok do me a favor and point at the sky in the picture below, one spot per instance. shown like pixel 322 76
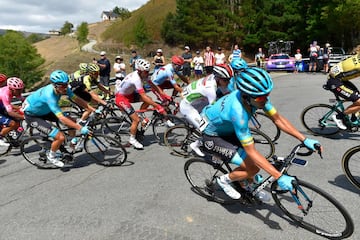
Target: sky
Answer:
pixel 40 16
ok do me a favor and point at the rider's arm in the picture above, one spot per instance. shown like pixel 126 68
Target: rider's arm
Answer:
pixel 68 122
pixel 286 126
pixel 82 103
pixel 147 99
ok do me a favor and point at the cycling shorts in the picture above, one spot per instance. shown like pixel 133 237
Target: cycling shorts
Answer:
pixel 42 124
pixel 83 94
pixel 124 102
pixel 344 89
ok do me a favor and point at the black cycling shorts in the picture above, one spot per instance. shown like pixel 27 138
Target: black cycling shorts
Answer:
pixel 344 89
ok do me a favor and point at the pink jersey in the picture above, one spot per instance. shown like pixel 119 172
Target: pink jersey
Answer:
pixel 5 98
pixel 131 83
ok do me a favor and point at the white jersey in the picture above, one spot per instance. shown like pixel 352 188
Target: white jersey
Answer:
pixel 203 88
pixel 130 83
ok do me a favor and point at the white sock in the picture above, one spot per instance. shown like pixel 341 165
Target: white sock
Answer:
pixel 226 178
pixel 52 154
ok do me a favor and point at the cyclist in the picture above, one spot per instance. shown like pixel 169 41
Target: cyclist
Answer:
pixel 131 90
pixel 163 78
pixel 202 92
pixel 43 106
pixel 9 114
pixel 339 83
pixel 227 134
pixel 81 72
pixel 3 78
pixel 82 87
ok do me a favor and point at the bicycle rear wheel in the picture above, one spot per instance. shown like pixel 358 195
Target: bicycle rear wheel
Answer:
pixel 177 139
pixel 316 118
pixel 263 143
pixel 324 215
pixel 267 126
pixel 105 150
pixel 162 123
pixel 34 150
pixel 202 175
pixel 351 165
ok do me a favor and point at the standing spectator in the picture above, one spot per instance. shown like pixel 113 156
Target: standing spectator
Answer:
pixel 327 51
pixel 159 60
pixel 209 60
pixel 219 57
pixel 119 68
pixel 298 61
pixel 105 69
pixel 259 58
pixel 236 54
pixel 198 65
pixel 133 58
pixel 314 48
pixel 187 56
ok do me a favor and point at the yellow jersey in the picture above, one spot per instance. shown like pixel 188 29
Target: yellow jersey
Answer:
pixel 346 69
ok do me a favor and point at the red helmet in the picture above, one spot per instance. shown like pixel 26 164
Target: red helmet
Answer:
pixel 3 78
pixel 15 83
pixel 177 60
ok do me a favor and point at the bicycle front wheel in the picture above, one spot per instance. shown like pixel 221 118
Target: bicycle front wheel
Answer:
pixel 202 175
pixel 177 139
pixel 34 150
pixel 105 150
pixel 116 127
pixel 351 165
pixel 5 149
pixel 319 213
pixel 317 119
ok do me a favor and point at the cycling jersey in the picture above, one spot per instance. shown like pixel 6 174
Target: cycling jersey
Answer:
pixel 44 101
pixel 5 99
pixel 228 116
pixel 203 88
pixel 346 69
pixel 164 74
pixel 131 83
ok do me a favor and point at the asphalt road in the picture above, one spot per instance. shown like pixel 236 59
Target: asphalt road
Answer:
pixel 150 198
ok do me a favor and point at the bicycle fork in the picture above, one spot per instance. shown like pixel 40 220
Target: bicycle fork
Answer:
pixel 294 194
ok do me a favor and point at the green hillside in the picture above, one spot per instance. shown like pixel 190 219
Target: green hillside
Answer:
pixel 154 13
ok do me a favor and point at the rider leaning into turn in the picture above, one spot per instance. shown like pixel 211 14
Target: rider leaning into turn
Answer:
pixel 339 83
pixel 226 130
pixel 43 106
pixel 131 90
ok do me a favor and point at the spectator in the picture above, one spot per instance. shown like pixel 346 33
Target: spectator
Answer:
pixel 219 57
pixel 133 58
pixel 327 51
pixel 209 60
pixel 313 49
pixel 236 54
pixel 159 59
pixel 298 61
pixel 187 56
pixel 259 58
pixel 119 68
pixel 105 69
pixel 198 65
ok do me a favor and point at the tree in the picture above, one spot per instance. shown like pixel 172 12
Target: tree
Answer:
pixel 82 32
pixel 122 12
pixel 141 35
pixel 67 28
pixel 19 58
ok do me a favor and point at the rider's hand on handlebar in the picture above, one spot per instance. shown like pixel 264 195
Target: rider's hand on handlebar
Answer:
pixel 313 145
pixel 285 182
pixel 160 109
pixel 166 97
pixel 85 131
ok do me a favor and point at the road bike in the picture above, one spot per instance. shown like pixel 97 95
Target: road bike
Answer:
pixel 14 137
pixel 317 119
pixel 351 165
pixel 119 127
pixel 307 205
pixel 179 137
pixel 105 150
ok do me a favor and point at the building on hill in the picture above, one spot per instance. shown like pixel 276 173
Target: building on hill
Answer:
pixel 54 32
pixel 109 16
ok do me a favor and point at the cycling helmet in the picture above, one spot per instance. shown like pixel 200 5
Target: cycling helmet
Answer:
pixel 83 67
pixel 59 77
pixel 238 64
pixel 142 65
pixel 92 68
pixel 15 83
pixel 223 71
pixel 3 78
pixel 177 60
pixel 254 82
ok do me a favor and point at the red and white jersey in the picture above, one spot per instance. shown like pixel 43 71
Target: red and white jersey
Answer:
pixel 131 83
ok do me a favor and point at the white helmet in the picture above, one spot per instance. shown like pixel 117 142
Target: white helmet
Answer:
pixel 142 65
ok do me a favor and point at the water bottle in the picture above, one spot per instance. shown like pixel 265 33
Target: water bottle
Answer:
pixel 262 195
pixel 74 141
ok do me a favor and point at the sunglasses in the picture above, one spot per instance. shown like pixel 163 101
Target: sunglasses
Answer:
pixel 59 85
pixel 261 98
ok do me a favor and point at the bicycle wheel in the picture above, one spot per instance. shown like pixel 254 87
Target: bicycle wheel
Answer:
pixel 263 143
pixel 351 165
pixel 177 138
pixel 202 175
pixel 161 124
pixel 317 119
pixel 321 213
pixel 34 150
pixel 116 127
pixel 105 150
pixel 5 149
pixel 267 126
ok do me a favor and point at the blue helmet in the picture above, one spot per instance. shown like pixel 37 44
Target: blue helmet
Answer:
pixel 59 77
pixel 254 82
pixel 238 64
